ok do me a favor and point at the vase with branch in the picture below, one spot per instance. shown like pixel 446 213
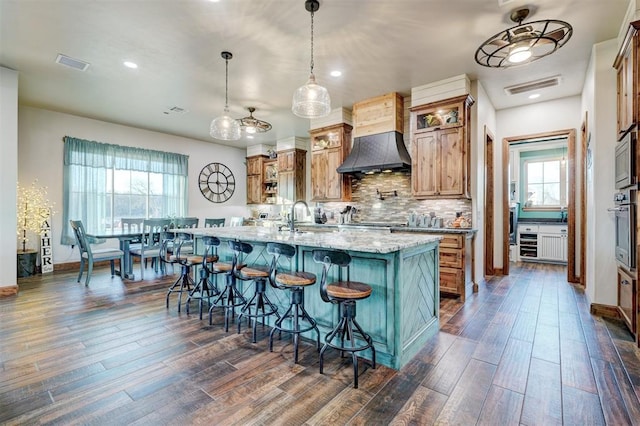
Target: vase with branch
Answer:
pixel 33 208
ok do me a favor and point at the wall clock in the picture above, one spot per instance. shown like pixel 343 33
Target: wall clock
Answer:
pixel 216 182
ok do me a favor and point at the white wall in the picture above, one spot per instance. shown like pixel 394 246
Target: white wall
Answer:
pixel 40 151
pixel 8 174
pixel 559 114
pixel 483 115
pixel 599 102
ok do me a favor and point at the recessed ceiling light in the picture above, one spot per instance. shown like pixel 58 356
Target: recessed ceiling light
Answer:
pixel 130 64
pixel 336 73
pixel 248 136
pixel 534 95
pixel 214 1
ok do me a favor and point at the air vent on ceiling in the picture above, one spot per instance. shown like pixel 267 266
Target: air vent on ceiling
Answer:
pixel 68 61
pixel 175 110
pixel 533 85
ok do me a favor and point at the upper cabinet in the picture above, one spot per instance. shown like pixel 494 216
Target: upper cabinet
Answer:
pixel 440 160
pixel 329 147
pixel 626 65
pixel 291 175
pixel 254 179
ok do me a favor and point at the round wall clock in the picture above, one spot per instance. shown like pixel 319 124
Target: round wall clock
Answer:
pixel 216 182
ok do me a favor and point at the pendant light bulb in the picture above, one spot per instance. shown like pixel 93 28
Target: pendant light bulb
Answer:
pixel 225 127
pixel 311 100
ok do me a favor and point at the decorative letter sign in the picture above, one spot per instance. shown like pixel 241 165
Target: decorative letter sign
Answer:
pixel 46 255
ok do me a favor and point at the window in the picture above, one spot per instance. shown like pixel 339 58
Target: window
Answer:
pixel 546 183
pixel 104 183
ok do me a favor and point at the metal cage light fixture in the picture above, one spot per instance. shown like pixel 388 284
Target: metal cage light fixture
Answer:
pixel 252 125
pixel 224 127
pixel 523 43
pixel 311 100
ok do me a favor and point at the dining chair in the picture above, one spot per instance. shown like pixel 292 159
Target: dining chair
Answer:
pixel 152 235
pixel 186 222
pixel 89 255
pixel 236 221
pixel 214 223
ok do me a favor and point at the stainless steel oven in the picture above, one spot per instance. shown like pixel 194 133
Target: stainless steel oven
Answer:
pixel 625 227
pixel 625 165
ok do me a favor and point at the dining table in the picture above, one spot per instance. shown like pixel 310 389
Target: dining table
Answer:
pixel 125 239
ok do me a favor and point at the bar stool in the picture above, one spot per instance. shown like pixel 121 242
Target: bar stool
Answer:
pixel 295 282
pixel 259 275
pixel 344 294
pixel 204 288
pixel 230 297
pixel 184 283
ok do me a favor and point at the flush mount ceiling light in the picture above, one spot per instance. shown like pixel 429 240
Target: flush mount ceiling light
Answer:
pixel 311 100
pixel 224 127
pixel 523 43
pixel 252 125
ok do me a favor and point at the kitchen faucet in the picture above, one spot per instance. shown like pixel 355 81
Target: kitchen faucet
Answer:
pixel 293 214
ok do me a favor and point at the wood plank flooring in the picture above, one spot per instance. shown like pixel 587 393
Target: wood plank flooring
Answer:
pixel 524 350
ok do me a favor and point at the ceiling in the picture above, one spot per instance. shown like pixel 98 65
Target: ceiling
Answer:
pixel 380 47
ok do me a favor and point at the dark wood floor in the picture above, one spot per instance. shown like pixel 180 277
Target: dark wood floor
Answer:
pixel 524 350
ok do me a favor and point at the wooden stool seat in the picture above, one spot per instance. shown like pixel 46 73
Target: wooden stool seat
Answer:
pixel 348 290
pixel 222 267
pixel 254 272
pixel 295 279
pixel 193 259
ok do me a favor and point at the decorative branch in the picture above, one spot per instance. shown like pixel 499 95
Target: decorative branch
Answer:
pixel 33 209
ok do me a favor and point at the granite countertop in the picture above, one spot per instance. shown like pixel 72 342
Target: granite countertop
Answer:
pixel 395 228
pixel 372 241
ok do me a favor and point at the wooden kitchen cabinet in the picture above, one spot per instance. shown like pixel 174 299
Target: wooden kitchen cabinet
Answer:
pixel 628 299
pixel 456 265
pixel 254 179
pixel 329 147
pixel 291 175
pixel 440 160
pixel 626 65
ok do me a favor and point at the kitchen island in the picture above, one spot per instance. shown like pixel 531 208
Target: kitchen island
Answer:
pixel 403 310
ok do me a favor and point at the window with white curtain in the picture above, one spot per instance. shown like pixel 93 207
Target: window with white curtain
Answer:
pixel 104 183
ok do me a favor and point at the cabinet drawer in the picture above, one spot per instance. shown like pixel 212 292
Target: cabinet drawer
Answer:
pixel 627 298
pixel 451 280
pixel 528 228
pixel 452 241
pixel 553 229
pixel 451 257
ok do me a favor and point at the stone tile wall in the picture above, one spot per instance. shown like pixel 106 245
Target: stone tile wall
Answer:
pixel 394 208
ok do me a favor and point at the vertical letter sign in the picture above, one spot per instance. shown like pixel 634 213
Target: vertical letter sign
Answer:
pixel 46 255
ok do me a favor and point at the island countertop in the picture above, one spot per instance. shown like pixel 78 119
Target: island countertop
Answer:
pixel 369 241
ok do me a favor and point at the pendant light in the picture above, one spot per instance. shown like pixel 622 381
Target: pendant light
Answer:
pixel 523 43
pixel 311 100
pixel 224 127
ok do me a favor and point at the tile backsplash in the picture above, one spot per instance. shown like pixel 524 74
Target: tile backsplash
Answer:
pixel 366 193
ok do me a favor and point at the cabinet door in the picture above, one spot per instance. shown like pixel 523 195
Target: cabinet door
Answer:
pixel 286 161
pixel 254 189
pixel 318 175
pixel 550 247
pixel 451 280
pixel 286 187
pixel 423 165
pixel 254 165
pixel 334 179
pixel 451 162
pixel 625 89
pixel 627 301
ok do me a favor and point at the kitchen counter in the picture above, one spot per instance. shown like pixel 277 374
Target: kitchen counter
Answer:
pixel 402 312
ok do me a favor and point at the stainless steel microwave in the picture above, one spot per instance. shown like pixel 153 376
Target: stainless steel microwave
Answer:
pixel 625 165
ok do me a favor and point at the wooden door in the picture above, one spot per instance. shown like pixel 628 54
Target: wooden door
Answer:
pixel 318 175
pixel 423 165
pixel 286 161
pixel 254 165
pixel 452 161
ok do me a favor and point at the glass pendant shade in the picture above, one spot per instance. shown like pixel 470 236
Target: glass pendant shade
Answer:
pixel 225 128
pixel 311 100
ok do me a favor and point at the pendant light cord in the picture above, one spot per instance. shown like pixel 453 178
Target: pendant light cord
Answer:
pixel 311 42
pixel 226 85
